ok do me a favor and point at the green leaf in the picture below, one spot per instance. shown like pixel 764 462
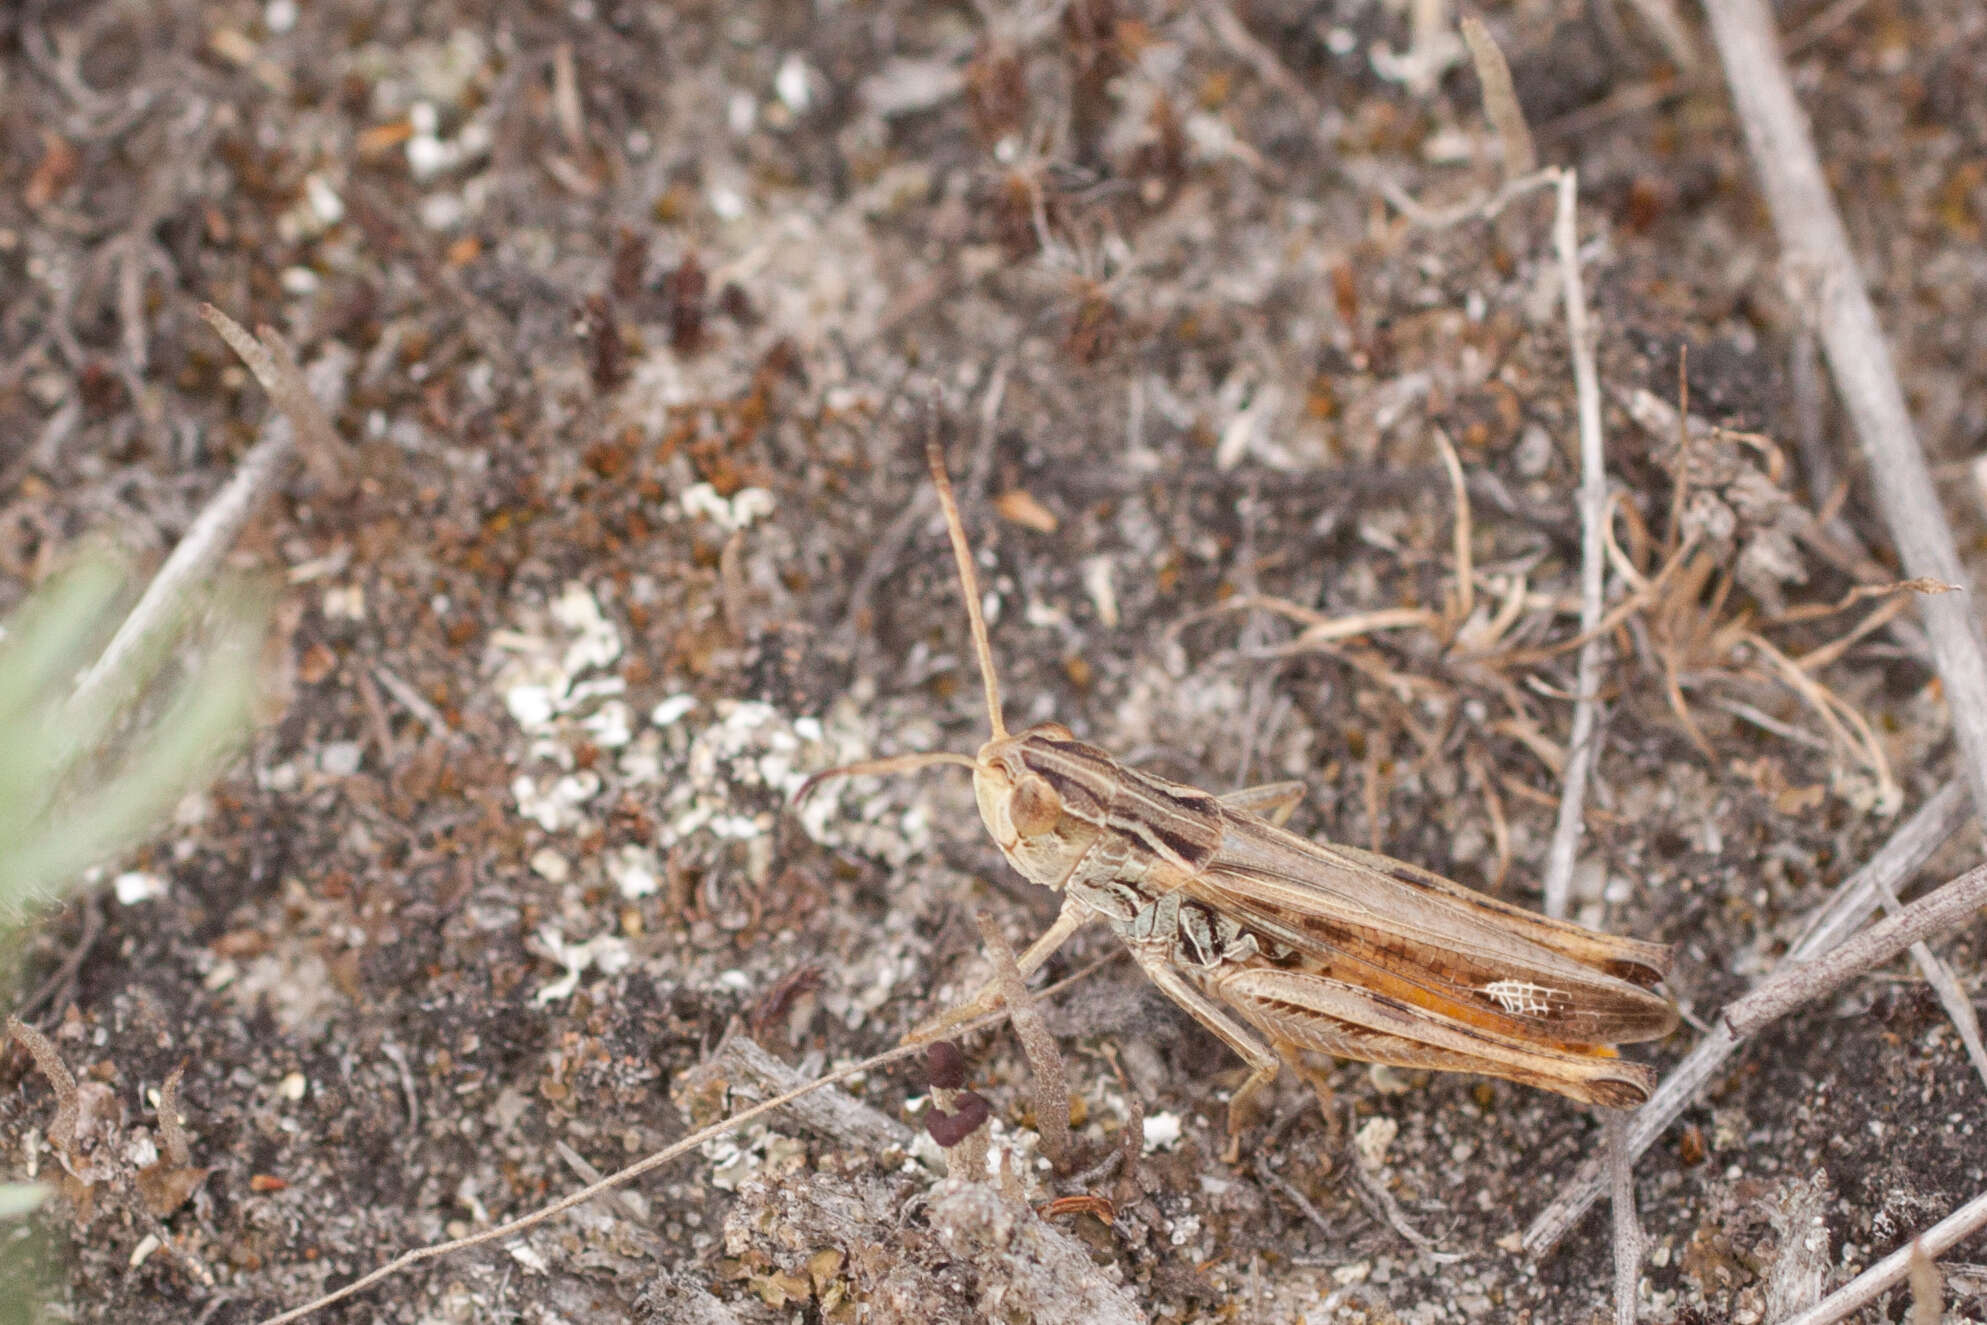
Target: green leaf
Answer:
pixel 18 1198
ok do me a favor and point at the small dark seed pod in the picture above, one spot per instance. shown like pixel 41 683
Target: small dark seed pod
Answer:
pixel 949 1129
pixel 945 1066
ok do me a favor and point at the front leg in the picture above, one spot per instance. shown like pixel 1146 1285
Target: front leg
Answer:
pixel 1073 916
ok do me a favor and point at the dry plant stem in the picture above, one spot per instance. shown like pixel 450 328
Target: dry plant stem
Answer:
pixel 1487 209
pixel 1814 240
pixel 631 1204
pixel 1799 1264
pixel 1380 1203
pixel 1852 903
pixel 213 533
pixel 62 1130
pixel 1952 995
pixel 268 357
pixel 1822 25
pixel 1465 598
pixel 1296 1197
pixel 1500 99
pixel 741 1060
pixel 633 1171
pixel 1867 1286
pixel 1051 1081
pixel 1795 985
pixel 1627 1230
pixel 191 562
pixel 1593 519
pixel 65 971
pixel 1928 1291
pixel 415 703
pixel 326 456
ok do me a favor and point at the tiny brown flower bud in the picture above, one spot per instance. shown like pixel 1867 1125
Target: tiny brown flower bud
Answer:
pixel 945 1066
pixel 949 1129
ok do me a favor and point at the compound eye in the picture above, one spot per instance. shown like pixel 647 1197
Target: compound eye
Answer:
pixel 1033 807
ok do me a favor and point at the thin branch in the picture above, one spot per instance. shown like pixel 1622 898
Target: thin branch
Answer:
pixel 1865 1287
pixel 1444 218
pixel 740 1061
pixel 330 462
pixel 1797 984
pixel 591 1190
pixel 1952 995
pixel 1465 600
pixel 196 557
pixel 1593 500
pixel 1296 1197
pixel 301 421
pixel 1380 1203
pixel 1627 1230
pixel 1231 32
pixel 1852 903
pixel 1667 24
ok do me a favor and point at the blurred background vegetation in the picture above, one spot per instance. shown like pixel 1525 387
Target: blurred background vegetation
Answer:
pixel 101 735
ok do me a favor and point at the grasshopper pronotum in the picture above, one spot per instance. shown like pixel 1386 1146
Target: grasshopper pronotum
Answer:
pixel 1279 944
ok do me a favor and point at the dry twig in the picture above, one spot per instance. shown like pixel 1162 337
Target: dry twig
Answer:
pixel 1816 243
pixel 1852 903
pixel 213 533
pixel 1796 984
pixel 1797 1210
pixel 743 1061
pixel 1627 1230
pixel 1865 1287
pixel 268 356
pixel 1593 499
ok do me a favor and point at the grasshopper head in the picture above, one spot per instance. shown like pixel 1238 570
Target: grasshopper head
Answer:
pixel 1015 783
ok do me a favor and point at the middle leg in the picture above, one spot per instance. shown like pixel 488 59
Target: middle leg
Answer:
pixel 1263 1060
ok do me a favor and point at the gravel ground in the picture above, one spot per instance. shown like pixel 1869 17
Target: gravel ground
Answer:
pixel 637 316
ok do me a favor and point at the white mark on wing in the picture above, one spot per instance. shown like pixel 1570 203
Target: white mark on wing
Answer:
pixel 1521 996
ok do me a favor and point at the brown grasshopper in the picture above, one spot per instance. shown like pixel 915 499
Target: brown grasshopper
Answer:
pixel 1279 944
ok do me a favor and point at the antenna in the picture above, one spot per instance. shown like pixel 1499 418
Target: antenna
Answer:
pixel 969 585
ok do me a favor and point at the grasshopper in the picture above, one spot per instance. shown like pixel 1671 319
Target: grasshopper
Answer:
pixel 1281 945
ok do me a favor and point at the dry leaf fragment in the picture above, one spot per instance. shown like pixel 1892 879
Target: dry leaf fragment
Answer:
pixel 166 1183
pixel 1018 506
pixel 1084 1204
pixel 62 1131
